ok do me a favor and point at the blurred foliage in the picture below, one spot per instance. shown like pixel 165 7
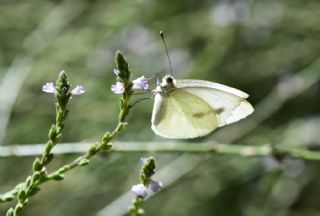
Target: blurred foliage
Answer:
pixel 255 46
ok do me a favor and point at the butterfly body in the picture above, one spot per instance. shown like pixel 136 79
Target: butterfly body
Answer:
pixel 193 108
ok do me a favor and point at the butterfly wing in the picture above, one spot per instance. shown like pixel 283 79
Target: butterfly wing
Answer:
pixel 211 85
pixel 229 103
pixel 182 115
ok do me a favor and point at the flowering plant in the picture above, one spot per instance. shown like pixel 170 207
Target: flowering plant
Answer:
pixel 63 94
pixel 140 191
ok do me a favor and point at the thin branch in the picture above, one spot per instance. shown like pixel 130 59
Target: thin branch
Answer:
pixel 168 147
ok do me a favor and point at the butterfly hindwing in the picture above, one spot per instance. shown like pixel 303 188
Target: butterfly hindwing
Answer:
pixel 229 103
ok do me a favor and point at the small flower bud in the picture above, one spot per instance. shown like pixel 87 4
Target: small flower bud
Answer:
pixel 18 209
pixel 22 196
pixel 140 211
pixel 28 181
pixel 84 162
pixel 52 132
pixel 93 148
pixel 106 147
pixel 49 158
pixel 35 176
pixel 122 125
pixel 10 212
pixel 62 84
pixel 58 177
pixel 6 198
pixel 106 137
pixel 43 171
pixel 123 67
pixel 37 165
pixel 49 146
pixel 131 209
pixel 33 191
pixel 60 128
pixel 149 167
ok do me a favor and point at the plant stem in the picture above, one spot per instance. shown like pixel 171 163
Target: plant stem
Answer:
pixel 95 148
pixel 29 187
pixel 80 161
pixel 146 172
pixel 135 209
pixel 168 147
pixel 218 148
pixel 63 95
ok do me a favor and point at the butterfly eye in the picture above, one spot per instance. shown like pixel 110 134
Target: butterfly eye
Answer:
pixel 169 80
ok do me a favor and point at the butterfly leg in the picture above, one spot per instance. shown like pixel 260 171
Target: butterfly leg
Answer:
pixel 140 100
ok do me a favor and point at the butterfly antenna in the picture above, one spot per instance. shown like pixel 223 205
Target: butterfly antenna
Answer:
pixel 165 45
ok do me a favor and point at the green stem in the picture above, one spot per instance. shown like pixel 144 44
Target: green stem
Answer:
pixel 29 187
pixel 146 172
pixel 94 149
pixel 63 95
pixel 170 147
pixel 80 161
pixel 135 209
pixel 215 148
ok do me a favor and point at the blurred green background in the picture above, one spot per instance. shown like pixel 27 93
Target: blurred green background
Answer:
pixel 269 49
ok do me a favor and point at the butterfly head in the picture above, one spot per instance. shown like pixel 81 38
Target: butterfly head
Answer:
pixel 167 85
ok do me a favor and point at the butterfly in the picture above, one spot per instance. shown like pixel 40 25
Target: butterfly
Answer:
pixel 185 109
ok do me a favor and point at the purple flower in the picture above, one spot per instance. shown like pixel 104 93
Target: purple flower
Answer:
pixel 143 160
pixel 140 83
pixel 78 90
pixel 116 72
pixel 139 190
pixel 118 88
pixel 155 186
pixel 49 88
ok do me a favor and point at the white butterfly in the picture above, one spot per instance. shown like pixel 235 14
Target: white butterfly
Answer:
pixel 193 108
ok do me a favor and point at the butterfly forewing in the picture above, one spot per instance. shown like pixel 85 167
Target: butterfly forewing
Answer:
pixel 182 115
pixel 211 85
